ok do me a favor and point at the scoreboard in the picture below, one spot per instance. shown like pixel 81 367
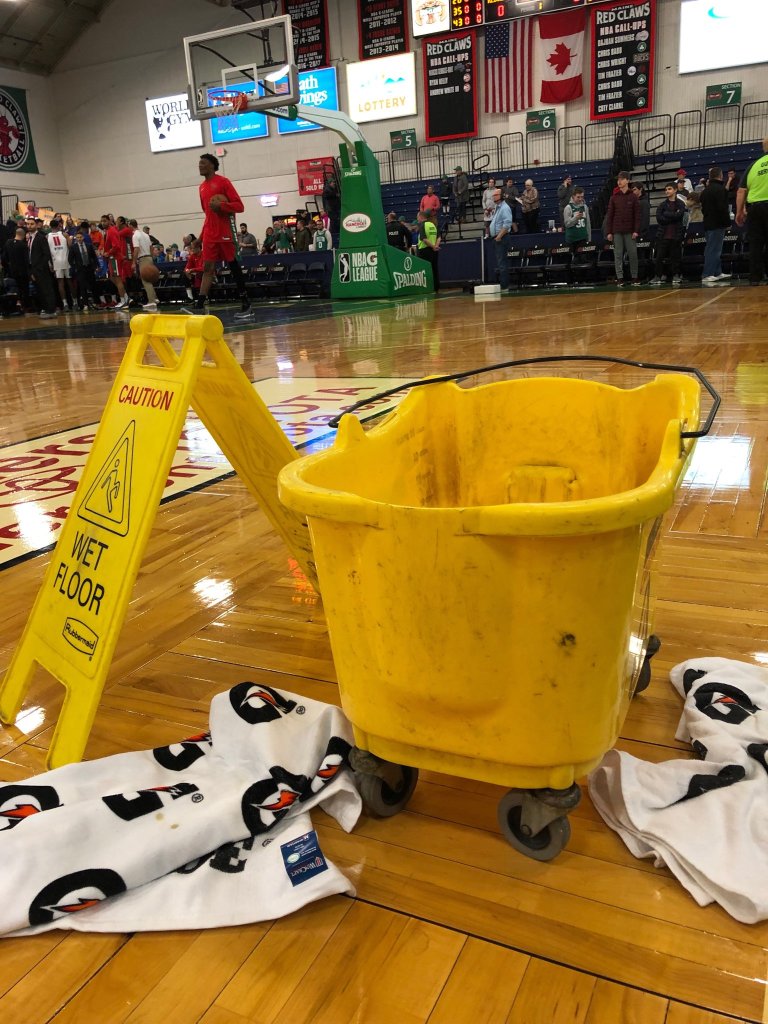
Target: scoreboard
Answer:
pixel 473 13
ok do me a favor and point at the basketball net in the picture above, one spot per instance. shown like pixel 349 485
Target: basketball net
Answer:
pixel 233 104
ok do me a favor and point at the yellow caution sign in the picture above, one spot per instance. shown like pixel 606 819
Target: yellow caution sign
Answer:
pixel 81 606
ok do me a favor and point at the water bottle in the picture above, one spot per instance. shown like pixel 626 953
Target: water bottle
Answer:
pixel 551 225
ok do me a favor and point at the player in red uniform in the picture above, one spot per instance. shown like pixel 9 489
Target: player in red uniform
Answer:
pixel 219 231
pixel 126 240
pixel 114 251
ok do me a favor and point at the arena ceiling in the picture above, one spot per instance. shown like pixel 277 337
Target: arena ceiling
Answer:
pixel 35 34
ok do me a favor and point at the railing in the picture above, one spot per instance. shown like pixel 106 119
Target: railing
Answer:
pixel 486 147
pixel 512 147
pixel 384 156
pixel 9 204
pixel 455 154
pixel 599 140
pixel 570 144
pixel 541 148
pixel 721 125
pixel 655 159
pixel 405 164
pixel 430 162
pixel 686 130
pixel 754 121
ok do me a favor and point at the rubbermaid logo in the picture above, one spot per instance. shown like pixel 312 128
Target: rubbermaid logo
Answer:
pixel 80 636
pixel 356 222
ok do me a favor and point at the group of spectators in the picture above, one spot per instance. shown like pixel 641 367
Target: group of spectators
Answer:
pixel 64 265
pixel 308 235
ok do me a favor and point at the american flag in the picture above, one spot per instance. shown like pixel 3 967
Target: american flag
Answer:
pixel 509 66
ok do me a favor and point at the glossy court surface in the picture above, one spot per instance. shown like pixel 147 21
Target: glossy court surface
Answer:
pixel 450 925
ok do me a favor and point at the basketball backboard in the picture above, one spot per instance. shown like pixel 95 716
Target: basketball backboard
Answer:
pixel 254 61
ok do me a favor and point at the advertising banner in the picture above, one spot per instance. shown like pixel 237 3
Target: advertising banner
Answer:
pixel 170 124
pixel 17 151
pixel 312 173
pixel 450 86
pixel 310 33
pixel 382 88
pixel 316 89
pixel 623 52
pixel 383 29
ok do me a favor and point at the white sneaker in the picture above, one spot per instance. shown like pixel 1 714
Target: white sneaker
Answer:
pixel 723 277
pixel 46 316
pixel 655 282
pixel 122 304
pixel 150 307
pixel 677 281
pixel 710 279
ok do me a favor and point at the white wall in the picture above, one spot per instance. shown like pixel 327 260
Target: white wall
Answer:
pixel 96 97
pixel 49 187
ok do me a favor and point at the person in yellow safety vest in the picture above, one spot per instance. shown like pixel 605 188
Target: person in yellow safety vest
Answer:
pixel 752 207
pixel 429 244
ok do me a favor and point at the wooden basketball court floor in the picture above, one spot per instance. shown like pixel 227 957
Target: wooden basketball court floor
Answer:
pixel 450 925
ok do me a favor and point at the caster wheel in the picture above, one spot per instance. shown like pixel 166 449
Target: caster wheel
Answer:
pixel 546 844
pixel 644 679
pixel 383 800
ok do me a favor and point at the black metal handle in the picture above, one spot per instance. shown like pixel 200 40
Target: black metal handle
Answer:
pixel 705 383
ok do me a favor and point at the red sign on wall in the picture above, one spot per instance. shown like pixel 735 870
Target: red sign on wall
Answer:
pixel 312 174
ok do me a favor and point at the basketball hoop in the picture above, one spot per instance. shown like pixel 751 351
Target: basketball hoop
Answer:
pixel 232 103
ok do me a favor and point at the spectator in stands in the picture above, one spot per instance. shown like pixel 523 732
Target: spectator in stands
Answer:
pixel 578 229
pixel 531 206
pixel 16 264
pixel 41 269
pixel 682 177
pixel 732 187
pixel 247 242
pixel 70 228
pixel 446 193
pixel 97 237
pixel 429 201
pixel 193 270
pixel 700 185
pixel 645 208
pixel 83 263
pixel 331 202
pixel 284 237
pixel 302 238
pixel 398 235
pixel 509 193
pixel 564 194
pixel 752 207
pixel 669 217
pixel 322 239
pixel 489 206
pixel 158 254
pixel 429 245
pixel 269 244
pixel 693 206
pixel 717 219
pixel 461 193
pixel 501 227
pixel 623 228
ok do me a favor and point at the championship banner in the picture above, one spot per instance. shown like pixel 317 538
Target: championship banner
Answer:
pixel 450 86
pixel 310 33
pixel 383 28
pixel 17 151
pixel 623 59
pixel 312 174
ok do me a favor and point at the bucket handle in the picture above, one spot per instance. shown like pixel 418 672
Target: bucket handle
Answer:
pixel 705 383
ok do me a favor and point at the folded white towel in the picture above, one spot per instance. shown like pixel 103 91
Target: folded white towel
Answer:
pixel 707 820
pixel 210 831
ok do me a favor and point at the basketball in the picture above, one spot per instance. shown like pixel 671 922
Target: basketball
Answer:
pixel 149 272
pixel 216 201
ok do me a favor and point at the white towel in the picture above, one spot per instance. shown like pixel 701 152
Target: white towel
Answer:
pixel 210 831
pixel 707 820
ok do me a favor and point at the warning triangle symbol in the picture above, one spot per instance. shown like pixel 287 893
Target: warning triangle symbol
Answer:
pixel 108 501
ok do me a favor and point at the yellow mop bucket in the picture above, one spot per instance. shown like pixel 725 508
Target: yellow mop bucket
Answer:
pixel 484 560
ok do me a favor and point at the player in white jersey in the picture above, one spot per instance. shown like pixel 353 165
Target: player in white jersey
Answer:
pixel 59 245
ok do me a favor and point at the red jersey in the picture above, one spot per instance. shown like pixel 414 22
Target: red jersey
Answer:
pixel 220 227
pixel 126 242
pixel 195 266
pixel 113 245
pixel 97 238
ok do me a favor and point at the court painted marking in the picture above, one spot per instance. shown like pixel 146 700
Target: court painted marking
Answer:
pixel 38 478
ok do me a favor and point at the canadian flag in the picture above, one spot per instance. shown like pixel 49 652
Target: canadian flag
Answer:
pixel 562 38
